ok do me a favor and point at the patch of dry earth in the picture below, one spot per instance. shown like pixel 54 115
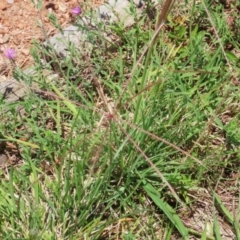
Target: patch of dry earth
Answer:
pixel 19 25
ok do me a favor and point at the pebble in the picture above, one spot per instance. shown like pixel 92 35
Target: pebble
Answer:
pixel 2 31
pixel 3 160
pixel 62 7
pixel 46 19
pixel 2 78
pixel 16 41
pixel 21 25
pixel 25 51
pixel 6 38
pixel 3 6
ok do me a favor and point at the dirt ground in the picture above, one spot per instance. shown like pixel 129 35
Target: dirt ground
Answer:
pixel 19 25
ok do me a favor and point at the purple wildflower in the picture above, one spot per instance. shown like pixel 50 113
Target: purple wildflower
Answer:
pixel 10 53
pixel 77 10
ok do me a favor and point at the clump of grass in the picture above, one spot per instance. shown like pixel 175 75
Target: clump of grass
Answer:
pixel 118 142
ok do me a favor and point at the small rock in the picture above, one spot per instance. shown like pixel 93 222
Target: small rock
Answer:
pixel 66 16
pixel 21 25
pixel 46 19
pixel 2 31
pixel 6 23
pixel 62 7
pixel 25 51
pixel 3 6
pixel 6 38
pixel 16 41
pixel 61 20
pixel 2 78
pixel 55 7
pixel 10 1
pixel 3 160
pixel 12 90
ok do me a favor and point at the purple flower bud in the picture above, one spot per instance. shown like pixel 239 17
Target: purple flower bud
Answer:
pixel 10 53
pixel 77 10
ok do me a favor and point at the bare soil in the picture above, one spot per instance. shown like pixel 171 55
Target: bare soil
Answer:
pixel 19 25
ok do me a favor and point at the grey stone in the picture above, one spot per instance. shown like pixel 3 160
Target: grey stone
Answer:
pixel 113 11
pixel 119 10
pixel 71 35
pixel 11 90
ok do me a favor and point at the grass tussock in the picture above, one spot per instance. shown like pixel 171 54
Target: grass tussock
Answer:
pixel 137 138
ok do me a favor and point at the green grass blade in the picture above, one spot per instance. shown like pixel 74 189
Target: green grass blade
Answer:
pixel 167 209
pixel 32 145
pixel 236 228
pixel 204 234
pixel 70 105
pixel 222 209
pixel 198 234
pixel 216 227
pixel 227 215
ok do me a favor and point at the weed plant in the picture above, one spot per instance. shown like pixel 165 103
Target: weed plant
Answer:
pixel 119 142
